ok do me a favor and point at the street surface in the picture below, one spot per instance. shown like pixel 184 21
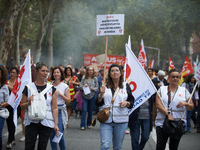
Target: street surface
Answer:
pixel 89 139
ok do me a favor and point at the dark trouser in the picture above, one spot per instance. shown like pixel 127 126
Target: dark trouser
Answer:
pixel 162 140
pixel 31 132
pixel 10 125
pixel 198 116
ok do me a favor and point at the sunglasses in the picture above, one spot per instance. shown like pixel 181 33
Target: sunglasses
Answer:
pixel 173 77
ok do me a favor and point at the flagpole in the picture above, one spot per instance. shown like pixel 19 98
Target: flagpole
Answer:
pixel 105 60
pixel 190 99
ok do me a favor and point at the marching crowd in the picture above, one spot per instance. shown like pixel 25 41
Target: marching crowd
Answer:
pixel 82 91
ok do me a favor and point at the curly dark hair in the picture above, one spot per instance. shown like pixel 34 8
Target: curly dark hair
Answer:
pixel 66 68
pixel 62 73
pixel 188 78
pixel 14 68
pixel 4 75
pixel 109 82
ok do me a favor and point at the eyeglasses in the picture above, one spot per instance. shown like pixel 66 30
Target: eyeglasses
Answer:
pixel 115 70
pixel 173 77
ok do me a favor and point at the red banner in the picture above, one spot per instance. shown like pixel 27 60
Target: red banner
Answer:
pixel 89 59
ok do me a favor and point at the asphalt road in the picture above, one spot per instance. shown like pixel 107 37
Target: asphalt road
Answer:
pixel 89 139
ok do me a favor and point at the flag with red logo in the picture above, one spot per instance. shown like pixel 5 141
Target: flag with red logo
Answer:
pixel 171 65
pixel 150 64
pixel 142 87
pixel 187 68
pixel 23 79
pixel 142 55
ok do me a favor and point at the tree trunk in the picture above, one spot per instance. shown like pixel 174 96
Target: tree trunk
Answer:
pixel 7 33
pixel 17 27
pixel 43 22
pixel 50 41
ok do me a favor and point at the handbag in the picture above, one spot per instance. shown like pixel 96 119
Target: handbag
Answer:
pixel 4 113
pixel 104 114
pixel 173 128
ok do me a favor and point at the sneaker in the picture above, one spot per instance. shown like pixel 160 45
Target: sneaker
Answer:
pixel 9 146
pixel 22 139
pixel 127 131
pixel 82 128
pixel 89 127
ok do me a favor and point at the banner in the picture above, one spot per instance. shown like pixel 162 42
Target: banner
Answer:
pixel 142 55
pixel 89 59
pixel 23 79
pixel 141 85
pixel 112 24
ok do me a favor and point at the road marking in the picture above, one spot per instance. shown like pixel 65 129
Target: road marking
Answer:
pixel 153 135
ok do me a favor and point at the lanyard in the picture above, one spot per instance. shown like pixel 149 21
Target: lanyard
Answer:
pixel 169 96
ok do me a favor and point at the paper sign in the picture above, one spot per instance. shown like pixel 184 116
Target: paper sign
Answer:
pixel 100 58
pixel 197 73
pixel 86 90
pixel 112 24
pixel 57 137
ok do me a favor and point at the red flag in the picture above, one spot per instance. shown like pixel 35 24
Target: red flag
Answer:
pixel 187 68
pixel 142 55
pixel 150 64
pixel 171 65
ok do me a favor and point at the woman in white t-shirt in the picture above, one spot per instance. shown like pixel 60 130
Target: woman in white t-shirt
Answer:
pixel 63 96
pixel 175 99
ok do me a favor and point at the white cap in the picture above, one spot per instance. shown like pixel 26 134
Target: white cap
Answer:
pixel 161 73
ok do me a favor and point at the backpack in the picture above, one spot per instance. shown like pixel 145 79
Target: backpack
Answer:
pixel 38 108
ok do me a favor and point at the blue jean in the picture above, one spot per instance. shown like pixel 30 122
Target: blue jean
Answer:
pixel 61 129
pixel 135 135
pixel 2 120
pixel 188 125
pixel 115 131
pixel 87 106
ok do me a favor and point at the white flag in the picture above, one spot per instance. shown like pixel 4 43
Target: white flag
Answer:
pixel 23 79
pixel 141 85
pixel 142 55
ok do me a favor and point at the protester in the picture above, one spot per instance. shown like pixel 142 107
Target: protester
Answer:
pixel 100 83
pixel 4 95
pixel 81 74
pixel 115 127
pixel 141 119
pixel 10 124
pixel 63 96
pixel 73 83
pixel 88 99
pixel 189 83
pixel 150 73
pixel 44 127
pixel 177 97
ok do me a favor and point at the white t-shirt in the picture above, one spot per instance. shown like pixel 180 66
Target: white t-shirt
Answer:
pixel 62 87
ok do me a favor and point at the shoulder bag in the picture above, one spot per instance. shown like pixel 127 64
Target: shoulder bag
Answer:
pixel 173 128
pixel 4 113
pixel 104 114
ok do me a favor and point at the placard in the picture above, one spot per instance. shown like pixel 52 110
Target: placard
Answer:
pixel 112 24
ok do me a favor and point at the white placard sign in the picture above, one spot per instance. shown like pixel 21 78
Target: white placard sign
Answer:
pixel 112 24
pixel 197 73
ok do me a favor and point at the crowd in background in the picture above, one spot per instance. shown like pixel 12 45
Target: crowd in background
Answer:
pixel 77 104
